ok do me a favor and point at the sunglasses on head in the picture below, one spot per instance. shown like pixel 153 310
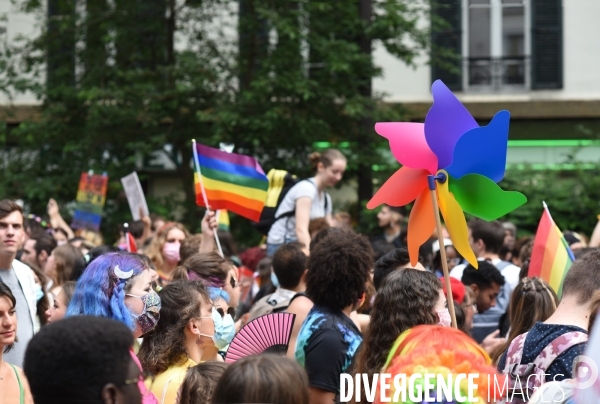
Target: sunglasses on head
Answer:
pixel 230 311
pixel 234 283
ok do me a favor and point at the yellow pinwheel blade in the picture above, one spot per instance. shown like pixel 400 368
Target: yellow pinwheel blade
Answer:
pixel 455 222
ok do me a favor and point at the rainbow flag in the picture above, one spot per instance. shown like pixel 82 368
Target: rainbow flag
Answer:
pixel 229 181
pixel 223 219
pixel 551 257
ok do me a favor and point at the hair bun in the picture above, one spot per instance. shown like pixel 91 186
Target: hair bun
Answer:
pixel 314 158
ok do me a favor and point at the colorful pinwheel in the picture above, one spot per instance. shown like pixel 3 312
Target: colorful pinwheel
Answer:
pixel 472 158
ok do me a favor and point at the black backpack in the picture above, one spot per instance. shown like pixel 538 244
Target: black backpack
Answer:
pixel 280 182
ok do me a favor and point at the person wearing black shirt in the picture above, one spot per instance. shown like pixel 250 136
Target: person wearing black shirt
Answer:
pixel 338 269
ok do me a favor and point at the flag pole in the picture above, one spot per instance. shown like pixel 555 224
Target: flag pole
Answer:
pixel 126 228
pixel 441 177
pixel 197 164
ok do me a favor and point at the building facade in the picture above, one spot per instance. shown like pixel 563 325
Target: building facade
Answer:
pixel 534 58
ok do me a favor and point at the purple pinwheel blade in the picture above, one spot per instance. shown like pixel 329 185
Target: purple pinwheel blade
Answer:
pixel 446 122
pixel 482 150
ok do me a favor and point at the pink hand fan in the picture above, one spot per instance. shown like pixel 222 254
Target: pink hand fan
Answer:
pixel 265 334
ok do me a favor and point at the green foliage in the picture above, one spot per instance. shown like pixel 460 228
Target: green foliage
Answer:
pixel 572 196
pixel 125 78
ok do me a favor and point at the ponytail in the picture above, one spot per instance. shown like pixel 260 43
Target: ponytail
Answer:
pixel 180 272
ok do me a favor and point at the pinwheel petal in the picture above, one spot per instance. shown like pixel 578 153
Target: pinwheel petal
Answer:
pixel 482 150
pixel 408 144
pixel 446 122
pixel 421 224
pixel 481 197
pixel 401 188
pixel 456 223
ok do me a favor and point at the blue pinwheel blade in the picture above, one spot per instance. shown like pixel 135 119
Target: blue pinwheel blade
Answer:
pixel 483 150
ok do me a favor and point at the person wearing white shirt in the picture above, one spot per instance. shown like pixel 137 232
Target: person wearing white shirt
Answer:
pixel 305 201
pixel 17 276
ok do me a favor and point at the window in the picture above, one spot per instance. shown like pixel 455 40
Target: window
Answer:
pixel 495 44
pixel 505 45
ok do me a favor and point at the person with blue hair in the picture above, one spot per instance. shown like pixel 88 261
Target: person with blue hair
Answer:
pixel 119 286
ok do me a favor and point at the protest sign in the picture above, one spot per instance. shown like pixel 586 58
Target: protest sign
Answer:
pixel 91 196
pixel 135 195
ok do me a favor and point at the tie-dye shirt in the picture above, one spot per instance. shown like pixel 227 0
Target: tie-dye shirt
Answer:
pixel 326 346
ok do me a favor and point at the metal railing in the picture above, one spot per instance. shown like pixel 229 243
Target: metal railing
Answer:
pixel 497 73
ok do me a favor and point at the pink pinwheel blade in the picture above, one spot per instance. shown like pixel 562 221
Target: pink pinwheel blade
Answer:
pixel 445 123
pixel 408 144
pixel 401 188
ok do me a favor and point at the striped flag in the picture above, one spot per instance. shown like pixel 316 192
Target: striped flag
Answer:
pixel 551 257
pixel 129 240
pixel 229 181
pixel 223 219
pixel 131 243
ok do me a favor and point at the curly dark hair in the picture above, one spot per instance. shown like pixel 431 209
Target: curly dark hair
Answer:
pixel 405 299
pixel 338 269
pixel 324 233
pixel 82 354
pixel 392 260
pixel 484 276
pixel 164 346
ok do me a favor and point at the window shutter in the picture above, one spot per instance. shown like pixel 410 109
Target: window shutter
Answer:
pixel 447 39
pixel 546 44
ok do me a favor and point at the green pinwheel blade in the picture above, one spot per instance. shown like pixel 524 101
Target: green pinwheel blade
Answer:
pixel 482 197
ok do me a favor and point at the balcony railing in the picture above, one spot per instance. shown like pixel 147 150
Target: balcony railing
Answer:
pixel 497 73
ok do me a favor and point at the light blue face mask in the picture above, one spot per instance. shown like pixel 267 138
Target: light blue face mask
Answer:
pixel 274 279
pixel 224 329
pixel 39 293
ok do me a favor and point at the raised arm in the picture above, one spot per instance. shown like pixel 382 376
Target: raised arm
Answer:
pixel 147 228
pixel 209 226
pixel 56 219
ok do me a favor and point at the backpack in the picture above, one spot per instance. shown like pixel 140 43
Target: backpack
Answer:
pixel 267 305
pixel 525 379
pixel 280 182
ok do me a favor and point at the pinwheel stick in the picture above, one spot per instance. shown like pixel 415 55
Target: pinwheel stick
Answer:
pixel 441 177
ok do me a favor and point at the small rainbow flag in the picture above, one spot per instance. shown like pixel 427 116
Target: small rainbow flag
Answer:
pixel 229 181
pixel 551 257
pixel 223 219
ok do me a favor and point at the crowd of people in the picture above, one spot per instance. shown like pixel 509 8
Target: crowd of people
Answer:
pixel 82 321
